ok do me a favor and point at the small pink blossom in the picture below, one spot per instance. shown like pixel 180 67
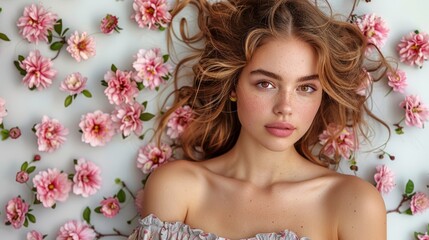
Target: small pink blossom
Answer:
pixel 138 202
pixel 3 111
pixel 151 14
pixel 51 186
pixel 74 83
pixel 414 48
pixel 87 179
pixel 14 132
pixel 384 179
pixel 150 67
pixel 120 87
pixel 109 24
pixel 16 210
pixel 81 47
pixel 150 157
pixel 397 80
pixel 365 85
pixel 39 71
pixel 423 236
pixel 374 28
pixel 343 144
pixel 416 113
pixel 34 235
pixel 50 134
pixel 127 116
pixel 178 121
pixel 76 230
pixel 22 177
pixel 419 203
pixel 110 207
pixel 97 128
pixel 35 23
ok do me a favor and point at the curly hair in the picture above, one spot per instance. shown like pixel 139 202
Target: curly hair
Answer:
pixel 229 33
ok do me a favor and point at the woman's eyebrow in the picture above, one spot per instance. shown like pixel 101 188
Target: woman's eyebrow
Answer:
pixel 278 77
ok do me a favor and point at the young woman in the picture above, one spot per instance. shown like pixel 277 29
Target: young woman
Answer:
pixel 269 78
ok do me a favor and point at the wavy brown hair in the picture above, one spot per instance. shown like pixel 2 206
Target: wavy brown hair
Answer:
pixel 230 32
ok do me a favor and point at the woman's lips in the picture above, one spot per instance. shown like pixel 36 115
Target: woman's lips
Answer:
pixel 280 129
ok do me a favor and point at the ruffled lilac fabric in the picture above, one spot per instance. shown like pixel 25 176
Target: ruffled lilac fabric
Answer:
pixel 152 228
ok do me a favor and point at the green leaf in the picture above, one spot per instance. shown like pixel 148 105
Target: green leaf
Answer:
pixel 24 166
pixel 64 32
pixel 1 9
pixel 49 36
pixel 140 86
pixel 68 101
pixel 4 134
pixel 31 217
pixel 97 209
pixel 21 71
pixel 26 222
pixel 146 116
pixel 1 126
pixel 4 37
pixel 87 215
pixel 54 206
pixel 36 201
pixel 113 68
pixel 161 28
pixel 144 104
pixel 104 83
pixel 31 169
pixel 58 27
pixel 409 188
pixel 87 93
pixel 56 46
pixel 75 161
pixel 408 211
pixel 165 58
pixel 21 58
pixel 118 181
pixel 121 196
pixel 156 88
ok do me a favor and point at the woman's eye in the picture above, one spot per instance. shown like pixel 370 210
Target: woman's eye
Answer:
pixel 266 85
pixel 306 88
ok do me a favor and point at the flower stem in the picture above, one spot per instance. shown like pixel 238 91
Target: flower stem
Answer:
pixel 129 191
pixel 115 234
pixel 404 199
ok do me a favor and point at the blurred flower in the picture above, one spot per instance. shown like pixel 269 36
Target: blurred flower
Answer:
pixel 22 177
pixel 127 116
pixel 109 24
pixel 16 209
pixel 419 203
pixel 74 83
pixel 39 71
pixel 423 236
pixel 76 230
pixel 120 87
pixel 150 157
pixel 35 23
pixel 14 132
pixel 153 14
pixel 34 235
pixel 343 144
pixel 50 134
pixel 414 48
pixel 87 179
pixel 138 202
pixel 178 121
pixel 81 47
pixel 3 111
pixel 365 84
pixel 97 128
pixel 37 157
pixel 51 186
pixel 384 179
pixel 397 80
pixel 110 207
pixel 374 28
pixel 416 113
pixel 150 67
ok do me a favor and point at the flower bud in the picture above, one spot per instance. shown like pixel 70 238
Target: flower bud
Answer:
pixel 37 157
pixel 22 177
pixel 14 132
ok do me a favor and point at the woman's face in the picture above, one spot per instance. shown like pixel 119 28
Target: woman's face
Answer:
pixel 278 93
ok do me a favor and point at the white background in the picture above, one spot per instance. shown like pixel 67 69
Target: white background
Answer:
pixel 117 158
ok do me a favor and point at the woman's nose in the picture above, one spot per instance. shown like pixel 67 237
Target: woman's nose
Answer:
pixel 283 104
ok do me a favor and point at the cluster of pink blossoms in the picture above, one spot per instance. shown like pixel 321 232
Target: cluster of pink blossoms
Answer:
pixel 414 48
pixel 384 179
pixel 50 134
pixel 151 14
pixel 81 46
pixel 343 144
pixel 397 80
pixel 76 230
pixel 120 87
pixel 178 121
pixel 97 128
pixel 16 210
pixel 3 111
pixel 35 23
pixel 109 24
pixel 416 113
pixel 127 117
pixel 39 72
pixel 374 28
pixel 151 157
pixel 151 68
pixel 87 179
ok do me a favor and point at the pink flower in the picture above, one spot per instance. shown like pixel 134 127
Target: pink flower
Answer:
pixel 374 28
pixel 414 48
pixel 87 179
pixel 22 177
pixel 178 121
pixel 150 157
pixel 35 23
pixel 81 47
pixel 97 128
pixel 16 209
pixel 419 203
pixel 120 87
pixel 343 144
pixel 397 80
pixel 151 69
pixel 50 134
pixel 14 132
pixel 51 186
pixel 139 199
pixel 76 230
pixel 127 116
pixel 152 14
pixel 74 83
pixel 110 207
pixel 109 23
pixel 3 111
pixel 39 71
pixel 415 111
pixel 34 235
pixel 423 237
pixel 385 179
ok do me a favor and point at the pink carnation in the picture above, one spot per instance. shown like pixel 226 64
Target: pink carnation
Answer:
pixel 81 47
pixel 178 121
pixel 87 179
pixel 419 203
pixel 51 186
pixel 151 69
pixel 97 128
pixel 109 24
pixel 16 210
pixel 152 14
pixel 34 235
pixel 76 230
pixel 35 23
pixel 397 80
pixel 74 83
pixel 22 177
pixel 120 87
pixel 423 236
pixel 150 157
pixel 343 144
pixel 3 111
pixel 414 48
pixel 127 116
pixel 385 179
pixel 50 134
pixel 39 71
pixel 374 28
pixel 416 113
pixel 110 207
